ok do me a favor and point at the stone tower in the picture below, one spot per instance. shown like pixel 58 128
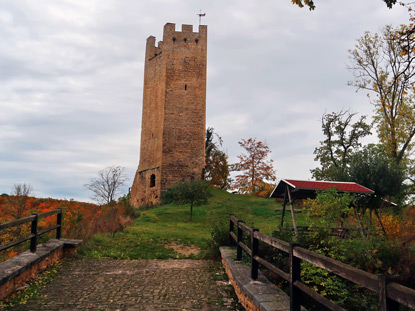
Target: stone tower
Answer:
pixel 174 113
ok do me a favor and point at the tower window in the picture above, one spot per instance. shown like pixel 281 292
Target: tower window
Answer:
pixel 185 87
pixel 152 180
pixel 174 40
pixel 197 41
pixel 185 40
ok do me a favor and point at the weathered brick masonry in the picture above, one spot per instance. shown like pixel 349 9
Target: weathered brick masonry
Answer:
pixel 174 113
pixel 16 271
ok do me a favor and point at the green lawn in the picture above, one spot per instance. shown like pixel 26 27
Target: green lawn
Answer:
pixel 148 235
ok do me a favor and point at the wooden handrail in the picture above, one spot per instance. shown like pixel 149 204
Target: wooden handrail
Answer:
pixel 14 223
pixel 392 292
pixel 244 227
pixel 35 233
pixel 50 213
pixel 278 244
pixel 245 248
pixel 16 242
pixel 273 268
pixel 402 294
pixel 363 278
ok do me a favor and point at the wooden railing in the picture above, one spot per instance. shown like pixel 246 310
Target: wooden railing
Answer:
pixel 390 294
pixel 34 232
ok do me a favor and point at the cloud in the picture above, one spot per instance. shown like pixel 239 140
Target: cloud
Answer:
pixel 71 77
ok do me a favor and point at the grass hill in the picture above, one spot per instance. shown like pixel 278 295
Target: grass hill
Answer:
pixel 169 226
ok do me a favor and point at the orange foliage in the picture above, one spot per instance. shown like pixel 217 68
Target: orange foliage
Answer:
pixel 265 190
pixel 393 226
pixel 408 226
pixel 402 229
pixel 80 220
pixel 256 167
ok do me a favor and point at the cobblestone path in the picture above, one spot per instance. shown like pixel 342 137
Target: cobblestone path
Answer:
pixel 126 285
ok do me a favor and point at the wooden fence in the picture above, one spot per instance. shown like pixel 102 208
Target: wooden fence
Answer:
pixel 390 294
pixel 34 232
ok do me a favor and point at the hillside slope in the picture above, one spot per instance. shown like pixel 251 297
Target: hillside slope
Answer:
pixel 169 225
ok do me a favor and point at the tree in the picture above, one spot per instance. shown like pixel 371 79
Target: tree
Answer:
pixel 193 192
pixel 256 166
pixel 216 170
pixel 17 201
pixel 371 167
pixel 383 64
pixel 310 3
pixel 302 3
pixel 329 208
pixel 219 172
pixel 342 139
pixel 107 185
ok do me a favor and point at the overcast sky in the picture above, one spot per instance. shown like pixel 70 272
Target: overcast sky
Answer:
pixel 71 80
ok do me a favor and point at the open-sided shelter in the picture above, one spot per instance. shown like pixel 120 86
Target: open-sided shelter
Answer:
pixel 290 190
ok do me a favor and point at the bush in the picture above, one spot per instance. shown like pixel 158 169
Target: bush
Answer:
pixel 112 219
pixel 220 237
pixel 377 255
pixel 194 193
pixel 328 208
pixel 127 208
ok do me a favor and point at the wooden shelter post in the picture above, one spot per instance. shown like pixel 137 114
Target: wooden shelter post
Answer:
pixel 283 209
pixel 291 190
pixel 292 210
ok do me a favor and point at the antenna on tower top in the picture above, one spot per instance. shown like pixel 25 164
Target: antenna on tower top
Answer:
pixel 200 16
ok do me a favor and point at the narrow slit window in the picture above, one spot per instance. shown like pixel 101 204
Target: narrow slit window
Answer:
pixel 152 180
pixel 185 87
pixel 197 41
pixel 174 40
pixel 185 40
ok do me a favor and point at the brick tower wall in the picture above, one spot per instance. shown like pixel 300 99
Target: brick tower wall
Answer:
pixel 174 113
pixel 185 111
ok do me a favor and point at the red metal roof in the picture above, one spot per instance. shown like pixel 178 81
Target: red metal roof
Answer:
pixel 322 185
pixel 307 189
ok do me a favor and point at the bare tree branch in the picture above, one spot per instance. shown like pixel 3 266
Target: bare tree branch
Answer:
pixel 17 201
pixel 107 185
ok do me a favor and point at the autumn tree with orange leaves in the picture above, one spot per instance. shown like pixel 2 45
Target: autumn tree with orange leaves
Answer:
pixel 256 167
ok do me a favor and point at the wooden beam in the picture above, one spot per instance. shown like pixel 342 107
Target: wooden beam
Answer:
pixel 283 209
pixel 381 223
pixel 292 210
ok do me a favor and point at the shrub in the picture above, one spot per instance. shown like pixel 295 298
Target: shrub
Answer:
pixel 194 193
pixel 220 237
pixel 112 220
pixel 378 255
pixel 328 208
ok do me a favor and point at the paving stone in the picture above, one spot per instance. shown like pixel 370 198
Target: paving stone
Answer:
pixel 126 285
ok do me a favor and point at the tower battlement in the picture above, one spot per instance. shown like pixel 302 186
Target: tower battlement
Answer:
pixel 172 38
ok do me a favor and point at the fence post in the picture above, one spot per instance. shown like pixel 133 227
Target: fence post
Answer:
pixel 231 241
pixel 59 223
pixel 254 252
pixel 295 270
pixel 385 304
pixel 33 240
pixel 239 239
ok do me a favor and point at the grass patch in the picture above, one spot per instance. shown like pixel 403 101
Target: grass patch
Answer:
pixel 148 234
